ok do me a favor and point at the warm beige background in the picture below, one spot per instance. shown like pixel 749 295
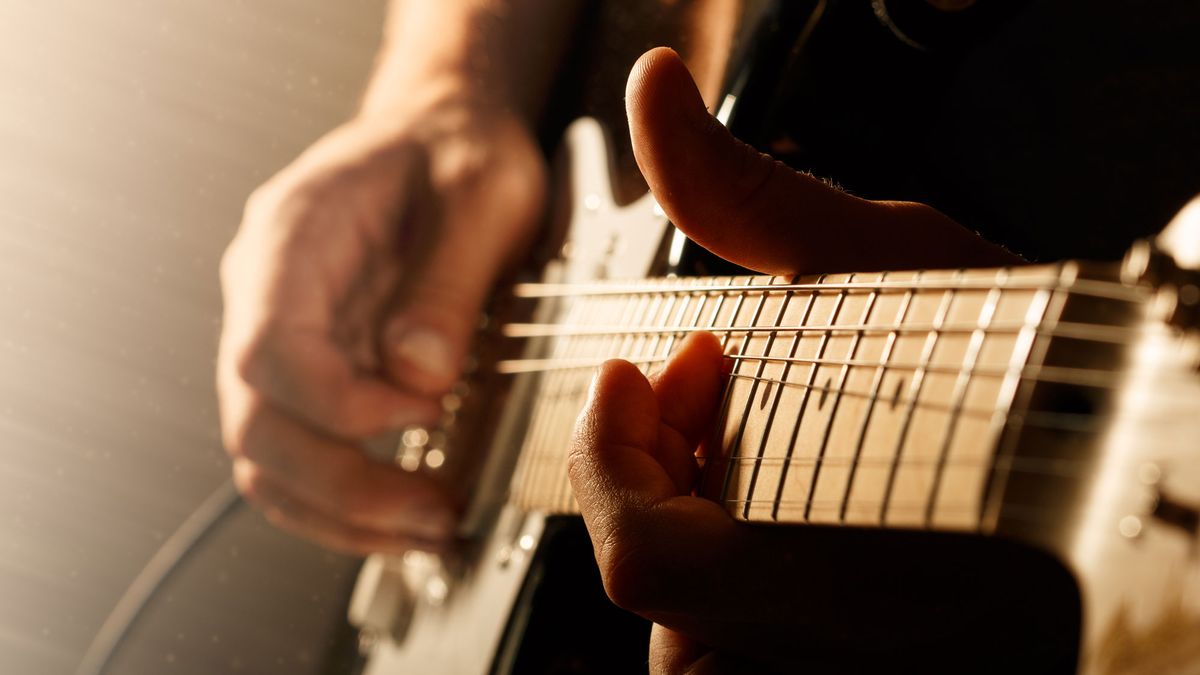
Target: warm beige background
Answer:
pixel 130 133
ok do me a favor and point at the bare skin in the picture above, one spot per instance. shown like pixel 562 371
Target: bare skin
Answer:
pixel 723 596
pixel 353 285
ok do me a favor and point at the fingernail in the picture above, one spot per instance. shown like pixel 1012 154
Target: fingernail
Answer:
pixel 427 351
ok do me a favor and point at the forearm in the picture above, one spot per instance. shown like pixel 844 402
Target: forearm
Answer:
pixel 499 53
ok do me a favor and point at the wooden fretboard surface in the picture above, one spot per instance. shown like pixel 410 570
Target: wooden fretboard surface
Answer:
pixel 869 399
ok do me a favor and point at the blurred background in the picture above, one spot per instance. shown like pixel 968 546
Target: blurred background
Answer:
pixel 131 132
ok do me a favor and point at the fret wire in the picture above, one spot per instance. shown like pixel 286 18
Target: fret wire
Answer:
pixel 1006 448
pixel 657 338
pixel 1032 465
pixel 958 396
pixel 699 312
pixel 823 503
pixel 1083 377
pixel 536 444
pixel 560 389
pixel 804 399
pixel 915 387
pixel 1089 287
pixel 613 344
pixel 1029 513
pixel 737 307
pixel 1032 514
pixel 555 392
pixel 843 375
pixel 670 345
pixel 762 364
pixel 876 383
pixel 716 314
pixel 725 404
pixel 1030 510
pixel 1079 331
pixel 1022 348
pixel 769 424
pixel 553 440
pixel 524 481
pixel 659 310
pixel 988 413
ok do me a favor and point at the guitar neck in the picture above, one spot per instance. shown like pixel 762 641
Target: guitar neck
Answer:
pixel 853 399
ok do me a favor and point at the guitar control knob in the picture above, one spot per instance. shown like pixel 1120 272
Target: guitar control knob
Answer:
pixel 383 602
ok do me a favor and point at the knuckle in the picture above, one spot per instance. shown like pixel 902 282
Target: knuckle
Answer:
pixel 262 201
pixel 239 431
pixel 230 263
pixel 250 358
pixel 235 435
pixel 250 482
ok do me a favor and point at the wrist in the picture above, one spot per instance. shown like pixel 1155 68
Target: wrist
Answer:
pixel 464 61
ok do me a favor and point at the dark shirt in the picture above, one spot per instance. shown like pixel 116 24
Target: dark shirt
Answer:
pixel 1059 128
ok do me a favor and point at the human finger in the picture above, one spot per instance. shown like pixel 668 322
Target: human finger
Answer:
pixel 290 512
pixel 673 653
pixel 335 476
pixel 753 210
pixel 687 392
pixel 429 332
pixel 283 278
pixel 628 499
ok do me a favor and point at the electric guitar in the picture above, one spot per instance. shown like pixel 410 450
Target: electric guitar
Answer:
pixel 1053 408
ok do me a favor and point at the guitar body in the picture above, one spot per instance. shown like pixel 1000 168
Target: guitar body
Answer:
pixel 1071 548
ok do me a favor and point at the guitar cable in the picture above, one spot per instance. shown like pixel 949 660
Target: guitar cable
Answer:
pixel 183 541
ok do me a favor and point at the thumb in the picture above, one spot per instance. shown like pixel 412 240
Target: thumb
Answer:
pixel 475 232
pixel 753 210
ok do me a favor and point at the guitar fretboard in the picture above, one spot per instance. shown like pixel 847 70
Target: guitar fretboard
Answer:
pixel 868 399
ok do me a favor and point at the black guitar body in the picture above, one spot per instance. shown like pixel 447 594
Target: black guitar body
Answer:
pixel 945 604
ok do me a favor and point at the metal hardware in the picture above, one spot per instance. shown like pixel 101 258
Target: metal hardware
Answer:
pixel 1175 513
pixel 383 603
pixel 1178 288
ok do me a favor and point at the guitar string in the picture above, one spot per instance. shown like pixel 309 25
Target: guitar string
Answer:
pixel 843 376
pixel 970 362
pixel 1040 418
pixel 1041 466
pixel 1082 377
pixel 1090 287
pixel 745 418
pixel 1046 466
pixel 901 513
pixel 876 386
pixel 727 394
pixel 1080 331
pixel 809 301
pixel 1057 465
pixel 916 386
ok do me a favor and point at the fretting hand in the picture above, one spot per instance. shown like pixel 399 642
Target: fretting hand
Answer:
pixel 727 597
